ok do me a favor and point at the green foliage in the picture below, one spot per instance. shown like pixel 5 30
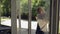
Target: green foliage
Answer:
pixel 37 4
pixel 6 7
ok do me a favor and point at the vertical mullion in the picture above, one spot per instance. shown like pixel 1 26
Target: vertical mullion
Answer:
pixel 54 22
pixel 19 13
pixel 51 16
pixel 57 17
pixel 13 17
pixel 30 12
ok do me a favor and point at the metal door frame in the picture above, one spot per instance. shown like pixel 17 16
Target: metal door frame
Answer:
pixel 54 16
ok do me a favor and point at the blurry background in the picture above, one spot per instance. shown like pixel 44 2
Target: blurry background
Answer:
pixel 6 8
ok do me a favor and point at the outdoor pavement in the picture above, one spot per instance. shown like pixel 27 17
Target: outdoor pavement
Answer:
pixel 24 25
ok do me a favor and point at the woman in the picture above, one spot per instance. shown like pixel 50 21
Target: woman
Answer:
pixel 41 26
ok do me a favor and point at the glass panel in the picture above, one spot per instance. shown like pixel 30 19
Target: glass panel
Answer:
pixel 5 17
pixel 24 16
pixel 40 19
pixel 45 4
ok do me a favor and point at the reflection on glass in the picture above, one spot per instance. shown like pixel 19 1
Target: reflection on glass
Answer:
pixel 24 16
pixel 40 14
pixel 41 19
pixel 5 14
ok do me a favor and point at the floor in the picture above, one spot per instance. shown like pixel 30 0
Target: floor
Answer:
pixel 24 26
pixel 25 31
pixel 7 30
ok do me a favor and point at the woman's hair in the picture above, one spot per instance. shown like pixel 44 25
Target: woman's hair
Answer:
pixel 40 9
